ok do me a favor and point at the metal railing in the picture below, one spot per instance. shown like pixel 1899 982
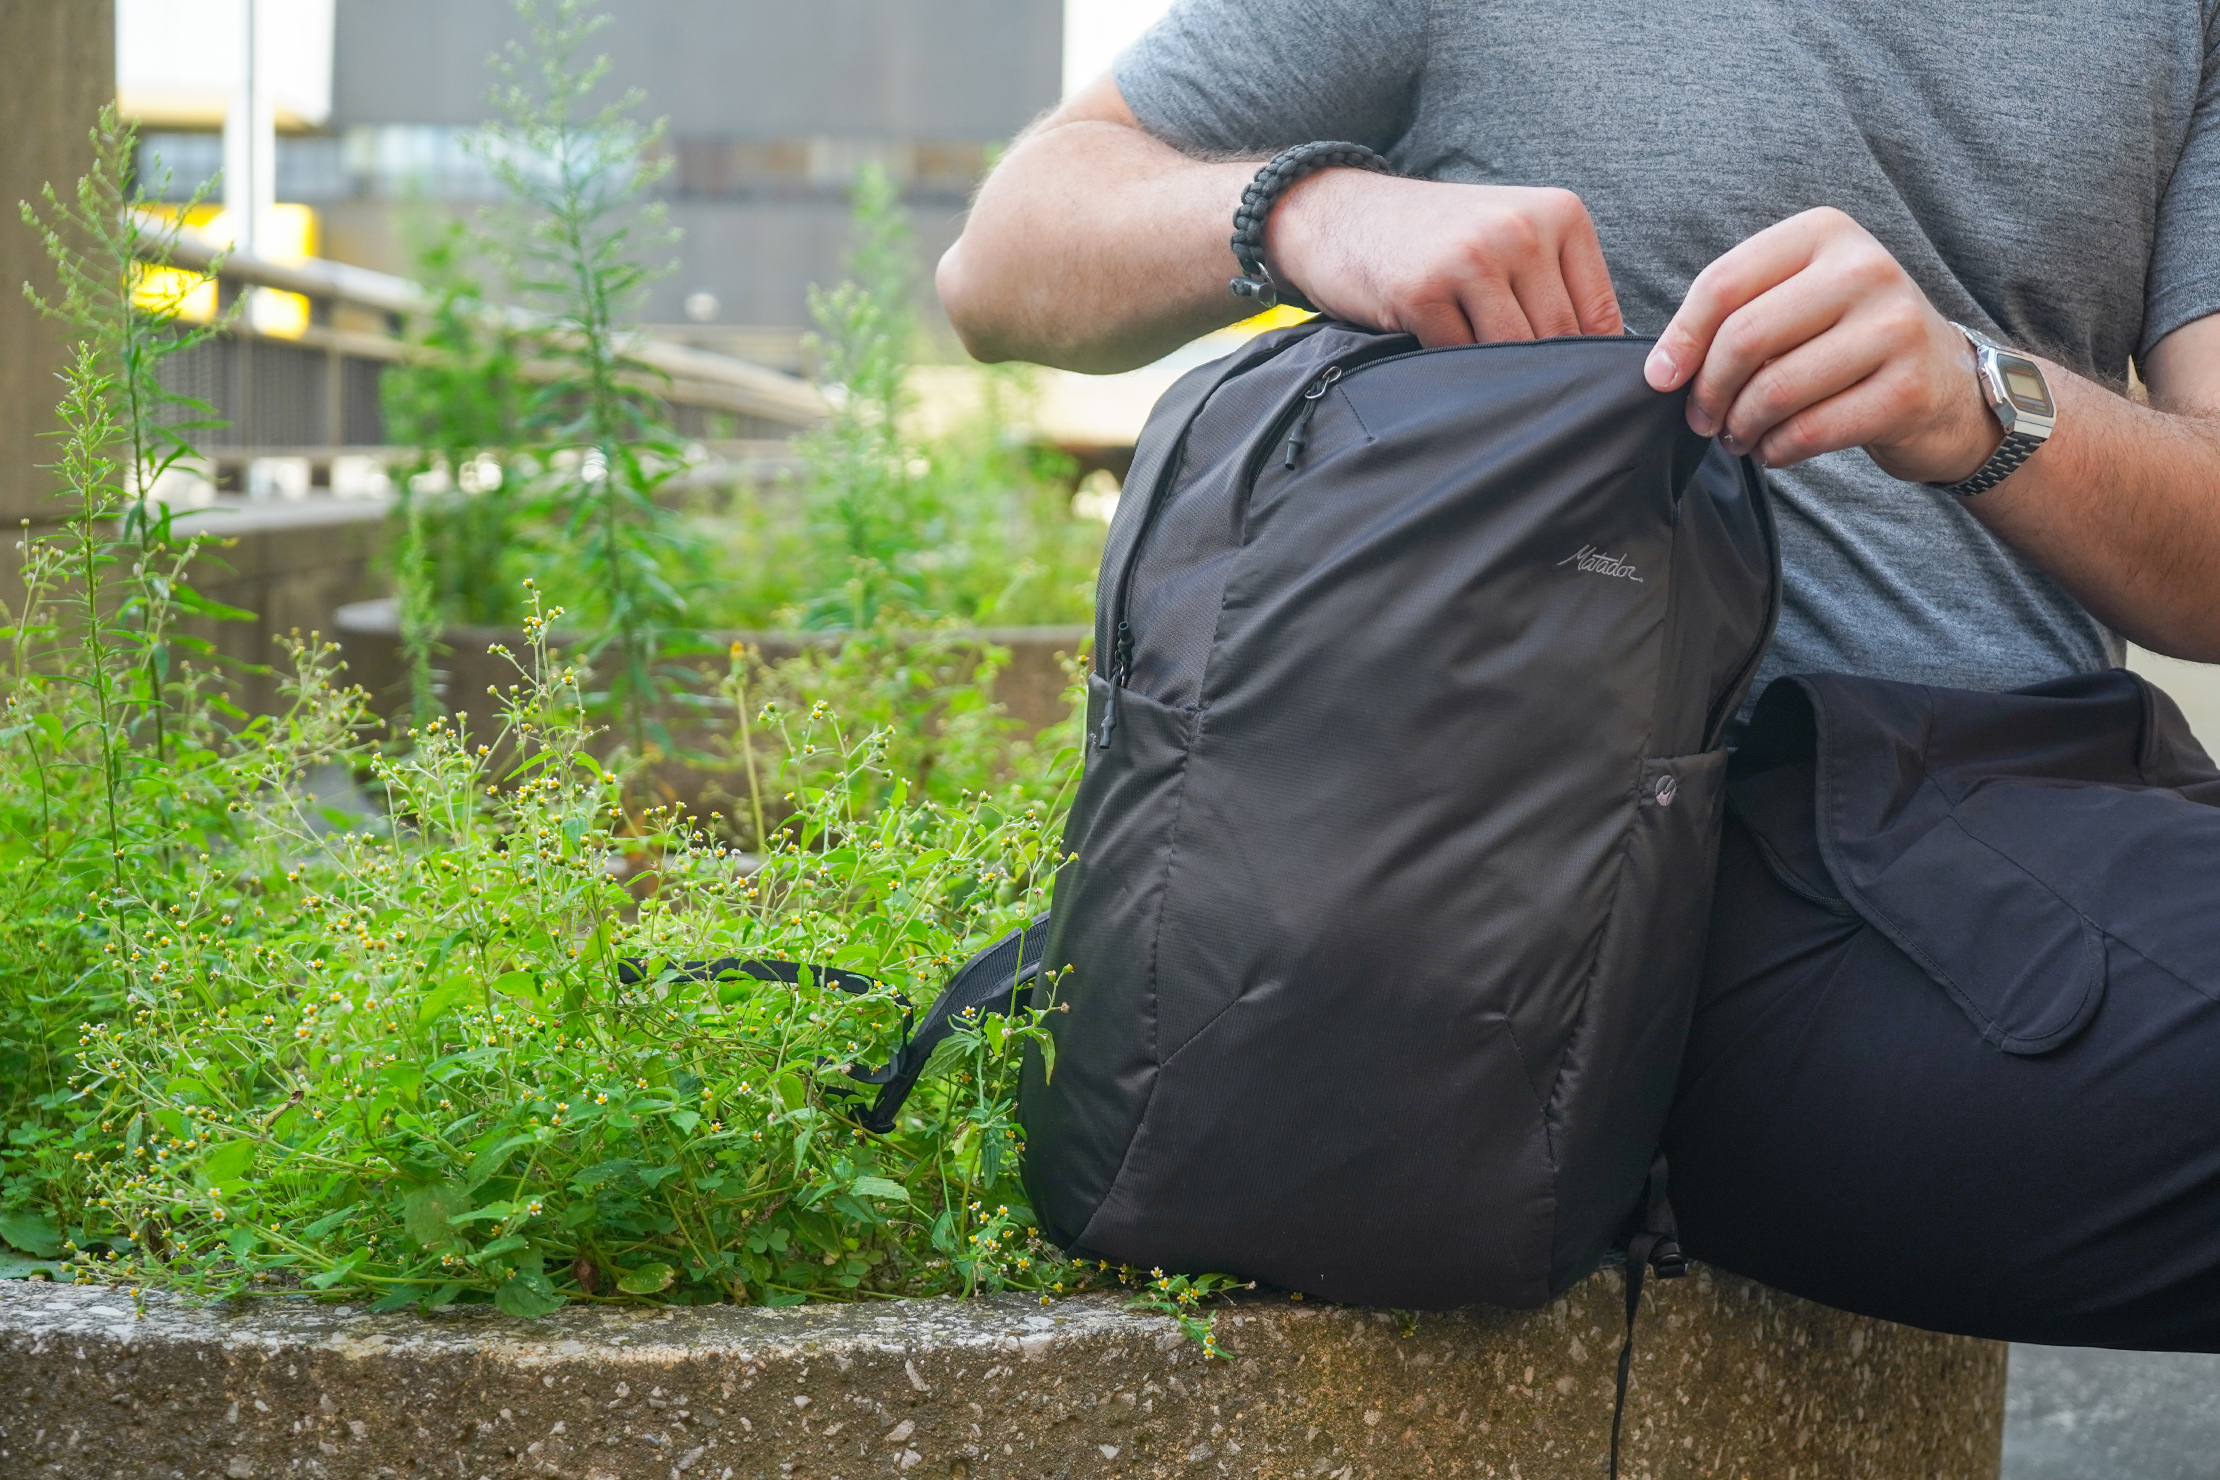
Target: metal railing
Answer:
pixel 314 396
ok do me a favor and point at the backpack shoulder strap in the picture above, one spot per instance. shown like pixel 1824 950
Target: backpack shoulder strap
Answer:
pixel 998 980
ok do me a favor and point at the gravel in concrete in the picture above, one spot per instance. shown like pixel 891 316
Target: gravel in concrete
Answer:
pixel 1730 1380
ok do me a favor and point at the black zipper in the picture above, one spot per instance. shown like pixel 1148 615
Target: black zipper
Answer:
pixel 1300 433
pixel 1121 667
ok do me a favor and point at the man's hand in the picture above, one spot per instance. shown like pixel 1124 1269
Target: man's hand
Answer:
pixel 1096 247
pixel 1809 337
pixel 1452 264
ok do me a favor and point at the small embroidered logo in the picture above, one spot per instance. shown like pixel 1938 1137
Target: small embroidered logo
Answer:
pixel 1595 562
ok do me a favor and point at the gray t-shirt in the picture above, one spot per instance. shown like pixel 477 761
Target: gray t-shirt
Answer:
pixel 2047 170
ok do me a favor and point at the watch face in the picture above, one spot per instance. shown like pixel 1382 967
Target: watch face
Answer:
pixel 2023 382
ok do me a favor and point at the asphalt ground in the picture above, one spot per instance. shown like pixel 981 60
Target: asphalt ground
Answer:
pixel 2078 1414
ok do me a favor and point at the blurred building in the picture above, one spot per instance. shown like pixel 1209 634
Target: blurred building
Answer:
pixel 773 108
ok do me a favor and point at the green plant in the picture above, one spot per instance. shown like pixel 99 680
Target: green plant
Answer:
pixel 451 1047
pixel 871 512
pixel 928 691
pixel 459 402
pixel 579 235
pixel 112 249
pixel 113 760
pixel 971 522
pixel 100 829
pixel 461 1057
pixel 1184 1298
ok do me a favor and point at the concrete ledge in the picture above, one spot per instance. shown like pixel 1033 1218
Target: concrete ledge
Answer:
pixel 1730 1380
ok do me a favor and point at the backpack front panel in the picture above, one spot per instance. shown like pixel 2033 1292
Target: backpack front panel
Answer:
pixel 1171 545
pixel 1423 712
pixel 1080 1119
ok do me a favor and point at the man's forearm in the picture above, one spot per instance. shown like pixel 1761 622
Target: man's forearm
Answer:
pixel 2122 507
pixel 1094 247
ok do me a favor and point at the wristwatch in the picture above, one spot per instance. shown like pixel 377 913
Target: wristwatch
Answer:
pixel 2014 387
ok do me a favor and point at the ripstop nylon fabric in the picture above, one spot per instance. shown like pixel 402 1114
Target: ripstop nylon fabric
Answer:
pixel 1390 869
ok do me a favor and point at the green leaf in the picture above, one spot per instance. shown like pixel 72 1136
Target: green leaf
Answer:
pixel 1047 1045
pixel 33 1233
pixel 517 984
pixel 228 1162
pixel 426 1210
pixel 949 1056
pixel 489 1162
pixel 329 1221
pixel 401 1297
pixel 500 1246
pixel 404 1076
pixel 648 1279
pixel 527 1295
pixel 881 1188
pixel 14 1268
pixel 605 1171
pixel 440 998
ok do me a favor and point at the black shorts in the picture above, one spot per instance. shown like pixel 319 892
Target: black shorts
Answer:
pixel 1957 1058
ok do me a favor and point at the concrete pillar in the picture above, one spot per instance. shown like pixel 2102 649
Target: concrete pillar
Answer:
pixel 57 67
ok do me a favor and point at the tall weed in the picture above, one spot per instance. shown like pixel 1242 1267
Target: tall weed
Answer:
pixel 580 237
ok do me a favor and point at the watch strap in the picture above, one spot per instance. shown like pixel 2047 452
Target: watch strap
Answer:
pixel 2016 448
pixel 1264 192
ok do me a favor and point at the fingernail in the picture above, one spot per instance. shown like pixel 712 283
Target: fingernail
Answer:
pixel 1700 422
pixel 1659 369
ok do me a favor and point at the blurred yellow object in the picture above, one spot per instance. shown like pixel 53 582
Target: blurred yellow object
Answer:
pixel 290 236
pixel 168 291
pixel 160 290
pixel 1278 317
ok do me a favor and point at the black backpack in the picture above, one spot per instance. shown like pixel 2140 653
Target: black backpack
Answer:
pixel 1388 879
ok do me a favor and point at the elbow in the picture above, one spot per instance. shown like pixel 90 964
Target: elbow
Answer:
pixel 968 306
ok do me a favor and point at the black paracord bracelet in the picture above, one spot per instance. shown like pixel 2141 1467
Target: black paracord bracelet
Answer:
pixel 1264 192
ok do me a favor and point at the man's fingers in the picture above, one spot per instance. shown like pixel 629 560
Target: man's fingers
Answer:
pixel 1778 416
pixel 1846 419
pixel 1587 281
pixel 1764 261
pixel 1438 322
pixel 1762 330
pixel 1494 312
pixel 1545 303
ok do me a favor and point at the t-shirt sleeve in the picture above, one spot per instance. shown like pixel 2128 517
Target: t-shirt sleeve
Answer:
pixel 2185 259
pixel 1256 76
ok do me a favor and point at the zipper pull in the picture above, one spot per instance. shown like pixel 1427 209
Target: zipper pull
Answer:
pixel 1300 434
pixel 1121 667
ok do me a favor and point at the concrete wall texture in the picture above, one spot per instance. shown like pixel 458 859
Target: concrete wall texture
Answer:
pixel 60 68
pixel 1731 1382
